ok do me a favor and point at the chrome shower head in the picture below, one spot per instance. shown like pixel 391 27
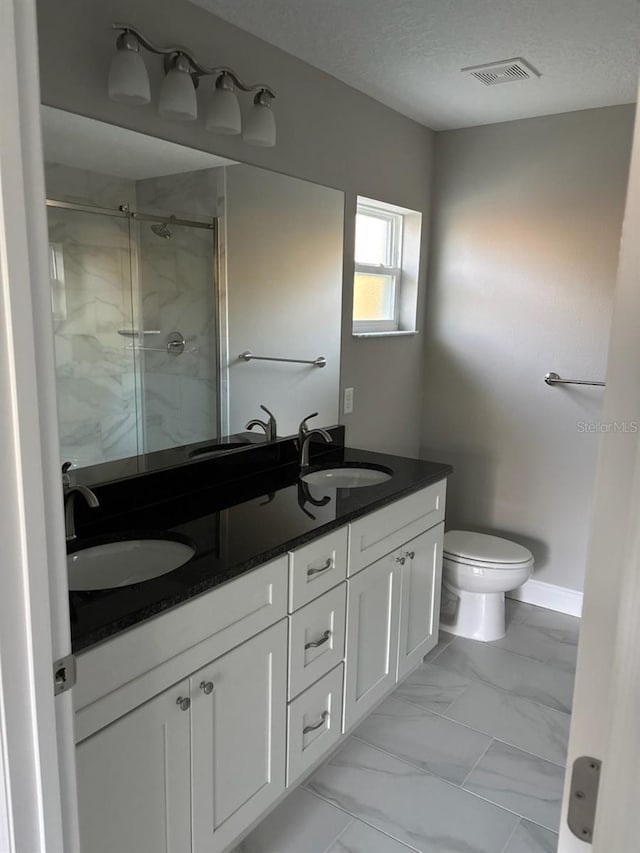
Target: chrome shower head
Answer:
pixel 160 229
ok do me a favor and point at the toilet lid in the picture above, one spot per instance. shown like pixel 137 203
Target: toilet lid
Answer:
pixel 482 548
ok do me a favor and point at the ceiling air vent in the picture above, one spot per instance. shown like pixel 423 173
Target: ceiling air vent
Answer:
pixel 505 71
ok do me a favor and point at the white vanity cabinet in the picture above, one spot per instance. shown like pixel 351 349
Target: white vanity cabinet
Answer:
pixel 393 601
pixel 191 768
pixel 238 731
pixel 191 725
pixel 134 785
pixel 372 637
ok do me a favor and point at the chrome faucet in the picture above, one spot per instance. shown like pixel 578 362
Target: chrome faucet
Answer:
pixel 270 427
pixel 304 439
pixel 70 492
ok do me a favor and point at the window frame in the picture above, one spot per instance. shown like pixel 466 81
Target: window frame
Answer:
pixel 393 253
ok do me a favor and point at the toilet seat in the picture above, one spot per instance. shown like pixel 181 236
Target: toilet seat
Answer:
pixel 482 551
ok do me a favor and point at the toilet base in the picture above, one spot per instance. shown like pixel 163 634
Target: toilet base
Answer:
pixel 475 615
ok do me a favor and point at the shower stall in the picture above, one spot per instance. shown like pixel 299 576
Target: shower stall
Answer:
pixel 136 328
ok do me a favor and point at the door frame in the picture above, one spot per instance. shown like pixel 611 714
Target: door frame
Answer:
pixel 606 705
pixel 38 804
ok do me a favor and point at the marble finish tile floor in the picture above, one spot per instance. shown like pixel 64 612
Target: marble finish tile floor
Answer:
pixel 466 756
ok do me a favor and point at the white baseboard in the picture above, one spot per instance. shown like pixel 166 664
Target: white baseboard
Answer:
pixel 548 595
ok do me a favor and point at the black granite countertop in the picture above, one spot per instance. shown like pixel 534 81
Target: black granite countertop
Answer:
pixel 234 525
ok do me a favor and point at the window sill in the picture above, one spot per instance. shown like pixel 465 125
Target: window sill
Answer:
pixel 400 334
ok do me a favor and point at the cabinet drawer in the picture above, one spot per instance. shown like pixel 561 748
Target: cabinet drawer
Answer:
pixel 314 723
pixel 383 531
pixel 316 639
pixel 317 567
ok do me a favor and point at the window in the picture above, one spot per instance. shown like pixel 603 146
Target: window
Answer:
pixel 386 259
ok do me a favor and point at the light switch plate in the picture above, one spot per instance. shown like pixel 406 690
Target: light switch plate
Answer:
pixel 347 407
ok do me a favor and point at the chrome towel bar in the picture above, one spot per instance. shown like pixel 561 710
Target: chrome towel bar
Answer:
pixel 316 362
pixel 554 379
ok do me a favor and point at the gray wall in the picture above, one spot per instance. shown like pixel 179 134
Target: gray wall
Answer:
pixel 527 221
pixel 327 132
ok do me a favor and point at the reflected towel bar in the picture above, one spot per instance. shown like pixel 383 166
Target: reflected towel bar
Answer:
pixel 316 362
pixel 554 379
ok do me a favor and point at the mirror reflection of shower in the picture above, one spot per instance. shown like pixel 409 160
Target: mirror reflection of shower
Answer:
pixel 122 280
pixel 161 229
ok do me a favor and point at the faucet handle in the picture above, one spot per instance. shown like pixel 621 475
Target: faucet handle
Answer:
pixel 264 409
pixel 272 426
pixel 304 429
pixel 66 478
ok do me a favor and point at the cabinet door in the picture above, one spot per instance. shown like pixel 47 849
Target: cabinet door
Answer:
pixel 421 576
pixel 373 603
pixel 238 718
pixel 134 785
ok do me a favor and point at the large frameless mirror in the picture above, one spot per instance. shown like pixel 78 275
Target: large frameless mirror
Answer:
pixel 186 290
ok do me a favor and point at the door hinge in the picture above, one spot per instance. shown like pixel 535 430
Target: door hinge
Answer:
pixel 64 674
pixel 583 797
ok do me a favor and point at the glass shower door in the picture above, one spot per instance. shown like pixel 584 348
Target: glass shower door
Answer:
pixel 180 396
pixel 90 264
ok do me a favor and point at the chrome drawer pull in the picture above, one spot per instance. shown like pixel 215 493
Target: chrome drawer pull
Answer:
pixel 410 554
pixel 307 729
pixel 401 560
pixel 313 644
pixel 327 565
pixel 183 702
pixel 206 687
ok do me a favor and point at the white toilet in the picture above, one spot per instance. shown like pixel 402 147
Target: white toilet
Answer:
pixel 477 570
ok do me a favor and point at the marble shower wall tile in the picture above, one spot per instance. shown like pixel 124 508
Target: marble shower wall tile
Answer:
pixel 187 194
pixel 520 676
pixel 521 782
pixel 91 295
pixel 66 183
pixel 535 728
pixel 423 739
pixel 415 808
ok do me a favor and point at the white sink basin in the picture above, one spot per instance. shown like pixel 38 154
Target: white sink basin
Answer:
pixel 346 478
pixel 122 563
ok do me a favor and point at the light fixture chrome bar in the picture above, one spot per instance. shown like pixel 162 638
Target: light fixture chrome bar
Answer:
pixel 171 220
pixel 85 208
pixel 199 70
pixel 316 362
pixel 554 379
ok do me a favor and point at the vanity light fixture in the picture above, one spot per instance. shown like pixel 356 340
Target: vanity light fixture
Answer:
pixel 260 124
pixel 128 78
pixel 129 83
pixel 223 114
pixel 178 92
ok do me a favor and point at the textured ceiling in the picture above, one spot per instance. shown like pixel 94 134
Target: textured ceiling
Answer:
pixel 408 53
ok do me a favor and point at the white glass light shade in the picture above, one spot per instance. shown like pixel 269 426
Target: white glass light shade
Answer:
pixel 128 78
pixel 260 124
pixel 223 113
pixel 178 96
